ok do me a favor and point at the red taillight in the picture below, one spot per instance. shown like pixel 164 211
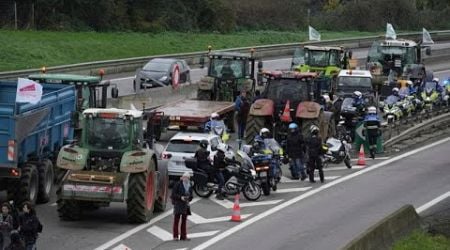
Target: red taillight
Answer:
pixel 14 172
pixel 165 155
pixel 69 150
pixel 138 153
pixel 11 150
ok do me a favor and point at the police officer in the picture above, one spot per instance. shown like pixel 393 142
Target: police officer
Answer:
pixel 202 156
pixel 314 144
pixel 294 148
pixel 372 129
pixel 219 166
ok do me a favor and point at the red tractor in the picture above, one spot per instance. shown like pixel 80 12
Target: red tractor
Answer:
pixel 289 96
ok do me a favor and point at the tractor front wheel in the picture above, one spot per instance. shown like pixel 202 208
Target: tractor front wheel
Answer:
pixel 141 196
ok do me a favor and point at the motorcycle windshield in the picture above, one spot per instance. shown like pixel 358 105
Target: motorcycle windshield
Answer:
pixel 347 104
pixel 244 160
pixel 430 87
pixel 391 100
pixel 272 145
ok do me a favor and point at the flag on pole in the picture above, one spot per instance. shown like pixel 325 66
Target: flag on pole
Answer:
pixel 426 37
pixel 28 91
pixel 314 35
pixel 390 32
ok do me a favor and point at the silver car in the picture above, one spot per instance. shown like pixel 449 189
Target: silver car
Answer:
pixel 184 145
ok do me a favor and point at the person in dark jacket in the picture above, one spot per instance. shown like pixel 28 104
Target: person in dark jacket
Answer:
pixel 203 162
pixel 6 225
pixel 219 166
pixel 294 147
pixel 16 242
pixel 242 106
pixel 29 226
pixel 181 196
pixel 314 145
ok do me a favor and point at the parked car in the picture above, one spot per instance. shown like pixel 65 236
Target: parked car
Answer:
pixel 183 145
pixel 158 73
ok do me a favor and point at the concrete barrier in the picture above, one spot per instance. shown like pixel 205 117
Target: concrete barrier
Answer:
pixel 383 234
pixel 155 97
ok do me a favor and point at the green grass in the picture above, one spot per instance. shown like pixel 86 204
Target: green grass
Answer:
pixel 419 241
pixel 33 49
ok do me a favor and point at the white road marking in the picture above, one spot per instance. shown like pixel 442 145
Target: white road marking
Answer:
pixel 121 79
pixel 53 204
pixel 287 180
pixel 121 247
pixel 433 202
pixel 181 248
pixel 341 168
pixel 197 219
pixel 294 200
pixel 290 190
pixel 228 204
pixel 166 236
pixel 376 158
pixel 138 228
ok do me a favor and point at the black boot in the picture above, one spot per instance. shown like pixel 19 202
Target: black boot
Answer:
pixel 311 176
pixel 372 153
pixel 322 177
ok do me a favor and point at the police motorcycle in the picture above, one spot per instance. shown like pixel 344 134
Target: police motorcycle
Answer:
pixel 391 109
pixel 406 103
pixel 267 156
pixel 217 127
pixel 446 96
pixel 239 177
pixel 430 96
pixel 350 115
pixel 337 150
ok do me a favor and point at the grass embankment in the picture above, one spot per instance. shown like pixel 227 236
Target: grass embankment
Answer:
pixel 420 241
pixel 33 49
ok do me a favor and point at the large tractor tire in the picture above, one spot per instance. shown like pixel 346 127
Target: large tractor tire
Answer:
pixel 69 210
pixel 141 196
pixel 163 189
pixel 28 187
pixel 254 125
pixel 204 95
pixel 46 175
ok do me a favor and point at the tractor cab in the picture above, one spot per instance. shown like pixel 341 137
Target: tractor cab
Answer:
pixel 228 74
pixel 326 60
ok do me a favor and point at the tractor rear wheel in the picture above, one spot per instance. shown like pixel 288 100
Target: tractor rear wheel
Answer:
pixel 141 196
pixel 163 190
pixel 46 175
pixel 254 125
pixel 67 209
pixel 28 185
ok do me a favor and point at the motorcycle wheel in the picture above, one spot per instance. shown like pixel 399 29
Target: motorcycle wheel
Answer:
pixel 252 191
pixel 265 188
pixel 203 192
pixel 348 162
pixel 275 187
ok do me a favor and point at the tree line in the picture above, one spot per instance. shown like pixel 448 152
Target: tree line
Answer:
pixel 223 15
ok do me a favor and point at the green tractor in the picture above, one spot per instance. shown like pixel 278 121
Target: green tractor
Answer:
pixel 112 163
pixel 325 60
pixel 390 60
pixel 228 74
pixel 92 91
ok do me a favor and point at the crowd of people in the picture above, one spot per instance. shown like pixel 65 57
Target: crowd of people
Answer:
pixel 19 231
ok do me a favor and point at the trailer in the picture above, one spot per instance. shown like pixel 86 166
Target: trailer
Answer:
pixel 30 138
pixel 187 113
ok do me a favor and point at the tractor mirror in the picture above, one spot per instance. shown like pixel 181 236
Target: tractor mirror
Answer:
pixel 202 62
pixel 428 51
pixel 114 92
pixel 260 65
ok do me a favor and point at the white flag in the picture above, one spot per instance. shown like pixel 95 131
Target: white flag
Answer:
pixel 390 32
pixel 314 35
pixel 28 91
pixel 426 37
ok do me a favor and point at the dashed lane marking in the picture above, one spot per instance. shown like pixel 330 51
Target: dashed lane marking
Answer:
pixel 198 219
pixel 228 204
pixel 167 236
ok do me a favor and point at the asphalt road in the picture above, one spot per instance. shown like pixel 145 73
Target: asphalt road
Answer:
pixel 325 220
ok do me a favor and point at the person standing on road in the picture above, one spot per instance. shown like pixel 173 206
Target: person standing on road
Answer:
pixel 315 150
pixel 181 196
pixel 29 226
pixel 294 150
pixel 6 225
pixel 242 106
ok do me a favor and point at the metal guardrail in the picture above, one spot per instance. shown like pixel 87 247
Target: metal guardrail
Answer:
pixel 193 58
pixel 425 122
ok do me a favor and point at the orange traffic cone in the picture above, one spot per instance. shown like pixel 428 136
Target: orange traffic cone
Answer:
pixel 286 116
pixel 236 216
pixel 361 157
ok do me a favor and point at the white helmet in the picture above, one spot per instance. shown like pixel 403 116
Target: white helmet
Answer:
pixel 326 98
pixel 436 79
pixel 222 147
pixel 357 93
pixel 263 131
pixel 371 110
pixel 395 90
pixel 409 82
pixel 214 116
pixel 313 129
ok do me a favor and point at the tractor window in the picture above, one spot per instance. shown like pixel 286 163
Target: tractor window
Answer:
pixel 349 84
pixel 287 89
pixel 107 134
pixel 319 58
pixel 299 57
pixel 334 58
pixel 223 68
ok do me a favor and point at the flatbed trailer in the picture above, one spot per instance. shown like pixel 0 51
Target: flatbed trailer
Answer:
pixel 187 113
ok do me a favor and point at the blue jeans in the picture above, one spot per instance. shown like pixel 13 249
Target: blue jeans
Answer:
pixel 220 180
pixel 241 129
pixel 297 167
